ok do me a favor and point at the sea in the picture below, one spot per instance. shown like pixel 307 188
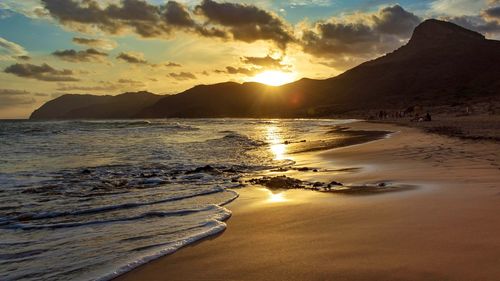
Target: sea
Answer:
pixel 92 199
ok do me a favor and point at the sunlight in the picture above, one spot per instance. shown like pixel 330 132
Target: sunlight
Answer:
pixel 278 148
pixel 277 198
pixel 274 78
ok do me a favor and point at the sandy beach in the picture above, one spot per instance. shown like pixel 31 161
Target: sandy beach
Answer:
pixel 447 228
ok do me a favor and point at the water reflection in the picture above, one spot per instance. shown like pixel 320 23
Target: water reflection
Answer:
pixel 277 146
pixel 275 197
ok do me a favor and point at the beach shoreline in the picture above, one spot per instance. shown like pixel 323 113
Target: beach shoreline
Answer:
pixel 445 229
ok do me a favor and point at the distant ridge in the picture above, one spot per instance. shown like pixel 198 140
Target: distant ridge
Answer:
pixel 441 64
pixel 125 105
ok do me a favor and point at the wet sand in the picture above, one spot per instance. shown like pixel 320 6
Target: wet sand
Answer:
pixel 448 228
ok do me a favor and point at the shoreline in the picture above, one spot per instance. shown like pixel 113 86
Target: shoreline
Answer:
pixel 473 127
pixel 351 230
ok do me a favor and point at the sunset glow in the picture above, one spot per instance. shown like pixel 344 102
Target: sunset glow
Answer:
pixel 274 78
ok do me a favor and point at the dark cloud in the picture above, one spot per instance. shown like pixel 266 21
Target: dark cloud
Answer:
pixel 267 62
pixel 136 16
pixel 131 82
pixel 246 22
pixel 24 58
pixel 12 98
pixel 104 44
pixel 89 55
pixel 42 72
pixel 331 38
pixel 477 23
pixel 395 20
pixel 182 76
pixel 238 70
pixel 167 64
pixel 492 13
pixel 176 14
pixel 132 57
pixel 360 40
pixel 172 64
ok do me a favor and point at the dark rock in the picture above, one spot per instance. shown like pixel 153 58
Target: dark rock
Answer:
pixel 318 184
pixel 334 183
pixel 279 182
pixel 281 169
pixel 86 172
pixel 205 169
pixel 230 170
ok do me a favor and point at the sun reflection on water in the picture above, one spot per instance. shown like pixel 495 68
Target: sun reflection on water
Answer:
pixel 278 197
pixel 273 197
pixel 278 148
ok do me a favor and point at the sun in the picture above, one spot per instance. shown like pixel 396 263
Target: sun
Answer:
pixel 274 78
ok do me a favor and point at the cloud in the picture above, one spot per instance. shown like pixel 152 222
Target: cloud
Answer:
pixel 172 64
pixel 132 57
pixel 9 50
pixel 84 15
pixel 101 87
pixel 131 82
pixel 361 36
pixel 235 21
pixel 266 62
pixel 29 8
pixel 176 14
pixel 182 76
pixel 89 55
pixel 396 21
pixel 239 70
pixel 477 23
pixel 246 23
pixel 492 13
pixel 487 22
pixel 24 58
pixel 42 72
pixel 13 98
pixel 104 44
pixel 167 64
pixel 127 16
pixel 455 8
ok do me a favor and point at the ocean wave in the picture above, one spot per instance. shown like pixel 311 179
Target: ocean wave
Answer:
pixel 152 214
pixel 62 185
pixel 50 215
pixel 210 228
pixel 240 139
pixel 22 254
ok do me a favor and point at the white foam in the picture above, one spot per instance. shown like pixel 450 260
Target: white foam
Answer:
pixel 218 226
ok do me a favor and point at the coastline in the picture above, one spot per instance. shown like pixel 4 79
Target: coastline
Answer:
pixel 473 127
pixel 447 228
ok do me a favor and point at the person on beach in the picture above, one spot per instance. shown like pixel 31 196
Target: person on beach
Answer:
pixel 428 117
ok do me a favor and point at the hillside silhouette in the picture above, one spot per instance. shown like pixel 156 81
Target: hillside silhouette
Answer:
pixel 442 64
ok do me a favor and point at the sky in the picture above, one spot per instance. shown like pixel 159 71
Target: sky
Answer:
pixel 49 48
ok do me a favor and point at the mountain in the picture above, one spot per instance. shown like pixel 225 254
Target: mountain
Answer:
pixel 442 64
pixel 126 105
